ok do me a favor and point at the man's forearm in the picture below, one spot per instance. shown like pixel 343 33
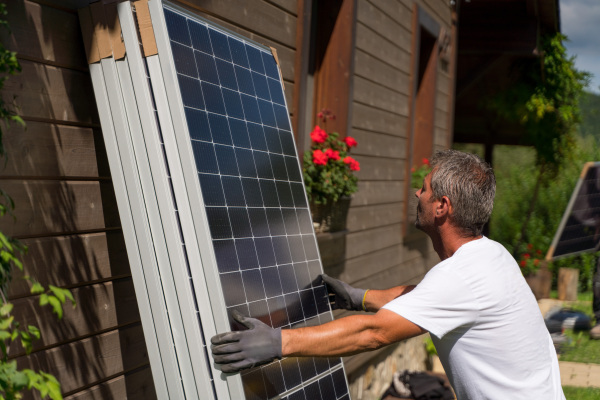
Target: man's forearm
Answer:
pixel 375 299
pixel 347 336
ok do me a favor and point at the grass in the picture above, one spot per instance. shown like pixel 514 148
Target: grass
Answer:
pixel 582 349
pixel 581 393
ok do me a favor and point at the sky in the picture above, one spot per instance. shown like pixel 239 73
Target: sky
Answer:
pixel 580 21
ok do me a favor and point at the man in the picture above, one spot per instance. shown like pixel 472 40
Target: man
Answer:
pixel 482 316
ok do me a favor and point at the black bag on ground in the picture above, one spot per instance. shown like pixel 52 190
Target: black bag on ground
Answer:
pixel 421 385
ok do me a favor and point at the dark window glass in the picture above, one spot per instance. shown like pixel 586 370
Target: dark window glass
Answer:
pixel 206 67
pixel 200 39
pixel 226 256
pixel 219 129
pixel 191 94
pixel 213 98
pixel 212 191
pixel 198 124
pixel 183 57
pixel 219 44
pixel 226 160
pixel 177 27
pixel 204 155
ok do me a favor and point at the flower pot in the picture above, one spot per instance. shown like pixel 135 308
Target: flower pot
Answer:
pixel 330 217
pixel 540 282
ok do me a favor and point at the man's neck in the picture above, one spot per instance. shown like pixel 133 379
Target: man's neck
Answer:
pixel 447 240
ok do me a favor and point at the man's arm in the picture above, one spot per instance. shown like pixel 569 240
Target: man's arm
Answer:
pixel 349 335
pixel 375 299
pixel 260 344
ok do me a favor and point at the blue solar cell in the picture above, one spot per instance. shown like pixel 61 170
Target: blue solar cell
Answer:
pixel 258 220
pixel 232 282
pixel 291 223
pixel 310 249
pixel 252 193
pixel 293 170
pixel 276 92
pixel 233 104
pixel 240 133
pixel 260 310
pixel 212 191
pixel 261 86
pixel 219 129
pixel 272 282
pixel 322 365
pixel 183 56
pixel 226 74
pixel 226 160
pixel 275 220
pixel 257 136
pixel 207 70
pixel 273 379
pixel 272 138
pixel 288 278
pixel 278 311
pixel 234 195
pixel 282 250
pixel 218 221
pixel 213 98
pixel 265 252
pixel 287 143
pixel 297 256
pixel 191 94
pixel 177 27
pixel 244 81
pixel 266 113
pixel 219 44
pixel 200 38
pixel 284 192
pixel 299 197
pixel 269 193
pixel 245 161
pixel 278 164
pixel 251 111
pixel 256 62
pixel 282 117
pixel 254 385
pixel 270 66
pixel 226 256
pixel 240 222
pixel 206 159
pixel 326 386
pixel 307 368
pixel 291 372
pixel 309 306
pixel 238 53
pixel 253 285
pixel 198 124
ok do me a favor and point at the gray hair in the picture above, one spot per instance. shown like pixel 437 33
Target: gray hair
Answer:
pixel 469 183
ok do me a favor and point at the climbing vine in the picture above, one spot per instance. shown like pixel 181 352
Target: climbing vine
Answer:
pixel 15 381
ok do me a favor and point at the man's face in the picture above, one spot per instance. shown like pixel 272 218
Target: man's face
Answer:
pixel 426 206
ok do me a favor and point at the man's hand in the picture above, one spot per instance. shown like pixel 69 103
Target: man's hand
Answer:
pixel 344 296
pixel 235 351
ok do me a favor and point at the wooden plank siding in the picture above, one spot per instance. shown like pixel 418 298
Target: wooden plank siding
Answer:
pixel 66 213
pixel 375 252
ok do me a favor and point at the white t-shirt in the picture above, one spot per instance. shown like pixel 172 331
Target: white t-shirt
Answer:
pixel 486 325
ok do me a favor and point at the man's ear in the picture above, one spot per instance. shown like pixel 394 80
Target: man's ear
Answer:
pixel 444 207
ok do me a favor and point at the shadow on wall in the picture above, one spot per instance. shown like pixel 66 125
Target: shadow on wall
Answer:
pixel 66 213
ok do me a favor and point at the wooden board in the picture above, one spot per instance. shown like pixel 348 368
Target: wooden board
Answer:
pixel 378 144
pixel 131 385
pixel 50 150
pixel 375 95
pixel 100 307
pixel 400 13
pixel 373 44
pixel 364 242
pixel 54 94
pixel 58 207
pixel 379 168
pixel 43 33
pixel 375 70
pixel 389 29
pixel 378 192
pixel 372 216
pixel 71 261
pixel 255 15
pixel 92 359
pixel 376 120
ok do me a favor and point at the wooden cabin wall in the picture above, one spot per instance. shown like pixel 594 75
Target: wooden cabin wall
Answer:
pixel 57 173
pixel 375 253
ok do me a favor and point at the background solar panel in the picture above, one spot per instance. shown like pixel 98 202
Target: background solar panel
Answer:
pixel 254 198
pixel 579 230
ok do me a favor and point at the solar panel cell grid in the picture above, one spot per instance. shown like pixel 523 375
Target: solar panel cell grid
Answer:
pixel 255 203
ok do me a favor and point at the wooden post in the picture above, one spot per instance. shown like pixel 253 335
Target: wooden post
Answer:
pixel 568 279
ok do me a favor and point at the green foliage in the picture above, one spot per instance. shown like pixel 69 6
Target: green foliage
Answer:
pixel 581 393
pixel 429 346
pixel 418 174
pixel 13 382
pixel 328 169
pixel 590 115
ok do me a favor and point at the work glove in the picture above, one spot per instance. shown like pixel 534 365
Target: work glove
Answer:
pixel 343 296
pixel 235 351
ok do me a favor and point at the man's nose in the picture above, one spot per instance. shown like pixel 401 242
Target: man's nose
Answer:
pixel 418 193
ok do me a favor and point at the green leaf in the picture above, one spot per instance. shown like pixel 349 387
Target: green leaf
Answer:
pixel 34 331
pixel 37 288
pixel 43 299
pixel 6 309
pixel 6 322
pixel 56 306
pixel 58 292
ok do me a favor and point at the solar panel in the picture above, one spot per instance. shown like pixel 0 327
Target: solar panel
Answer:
pixel 579 230
pixel 254 199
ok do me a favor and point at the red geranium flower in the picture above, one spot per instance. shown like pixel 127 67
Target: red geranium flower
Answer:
pixel 536 262
pixel 350 141
pixel 530 246
pixel 425 161
pixel 332 154
pixel 526 256
pixel 318 135
pixel 352 163
pixel 319 158
pixel 523 263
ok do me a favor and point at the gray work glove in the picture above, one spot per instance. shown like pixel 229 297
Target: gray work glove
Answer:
pixel 344 296
pixel 235 351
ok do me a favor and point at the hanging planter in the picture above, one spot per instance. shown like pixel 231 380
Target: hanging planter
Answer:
pixel 331 217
